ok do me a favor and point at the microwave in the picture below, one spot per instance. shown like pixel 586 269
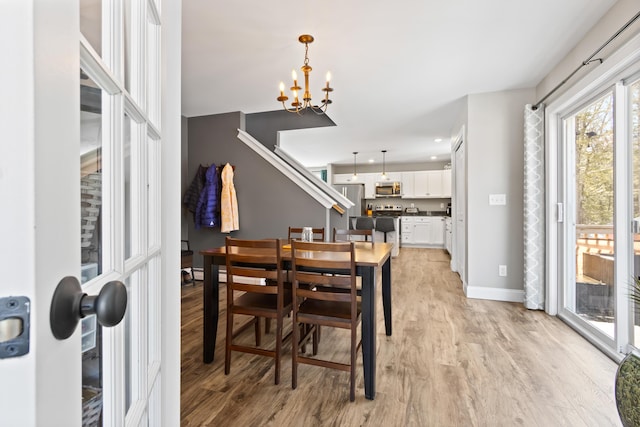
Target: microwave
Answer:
pixel 388 189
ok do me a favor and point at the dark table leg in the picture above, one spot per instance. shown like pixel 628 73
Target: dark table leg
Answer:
pixel 386 294
pixel 211 294
pixel 369 330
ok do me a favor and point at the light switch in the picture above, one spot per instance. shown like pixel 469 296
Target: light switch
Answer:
pixel 497 199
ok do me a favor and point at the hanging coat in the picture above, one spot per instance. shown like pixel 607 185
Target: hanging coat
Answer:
pixel 192 195
pixel 228 202
pixel 206 212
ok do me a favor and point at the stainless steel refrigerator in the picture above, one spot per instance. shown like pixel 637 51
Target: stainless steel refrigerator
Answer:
pixel 355 193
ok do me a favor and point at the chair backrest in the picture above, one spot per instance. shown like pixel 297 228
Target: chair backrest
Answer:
pixel 341 235
pixel 259 259
pixel 364 223
pixel 328 266
pixel 385 224
pixel 296 233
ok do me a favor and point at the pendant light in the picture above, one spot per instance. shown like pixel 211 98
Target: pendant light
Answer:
pixel 384 173
pixel 355 173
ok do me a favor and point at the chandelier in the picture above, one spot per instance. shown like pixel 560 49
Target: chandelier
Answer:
pixel 297 106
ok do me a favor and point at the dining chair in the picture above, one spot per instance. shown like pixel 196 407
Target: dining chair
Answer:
pixel 186 262
pixel 296 233
pixel 353 235
pixel 332 303
pixel 364 223
pixel 258 259
pixel 385 225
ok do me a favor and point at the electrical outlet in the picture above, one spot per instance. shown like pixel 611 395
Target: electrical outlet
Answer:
pixel 502 270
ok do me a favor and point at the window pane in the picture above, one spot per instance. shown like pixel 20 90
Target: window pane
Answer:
pixel 91 177
pixel 91 23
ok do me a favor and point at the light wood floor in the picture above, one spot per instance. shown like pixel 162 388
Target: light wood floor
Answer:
pixel 451 361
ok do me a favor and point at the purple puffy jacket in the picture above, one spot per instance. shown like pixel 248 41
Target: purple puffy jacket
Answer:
pixel 207 210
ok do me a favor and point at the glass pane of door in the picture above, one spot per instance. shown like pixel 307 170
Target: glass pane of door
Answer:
pixel 634 92
pixel 91 177
pixel 591 295
pixel 91 23
pixel 91 242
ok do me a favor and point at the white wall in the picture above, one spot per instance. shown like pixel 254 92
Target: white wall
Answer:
pixel 494 153
pixel 619 14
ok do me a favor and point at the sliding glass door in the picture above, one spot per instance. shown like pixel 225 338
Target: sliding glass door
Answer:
pixel 589 294
pixel 599 228
pixel 634 131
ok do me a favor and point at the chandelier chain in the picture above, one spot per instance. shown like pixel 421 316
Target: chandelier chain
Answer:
pixel 306 54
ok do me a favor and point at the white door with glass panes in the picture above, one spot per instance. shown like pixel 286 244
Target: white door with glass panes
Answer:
pixel 83 184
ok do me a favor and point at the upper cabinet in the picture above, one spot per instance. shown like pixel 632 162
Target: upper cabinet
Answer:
pixel 370 185
pixel 446 183
pixel 432 184
pixel 345 178
pixel 408 187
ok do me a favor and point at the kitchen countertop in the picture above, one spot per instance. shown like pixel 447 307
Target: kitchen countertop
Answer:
pixel 426 213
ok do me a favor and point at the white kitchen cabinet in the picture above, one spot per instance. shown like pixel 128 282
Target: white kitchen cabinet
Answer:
pixel 369 180
pixel 436 231
pixel 391 177
pixel 422 231
pixel 447 234
pixel 406 224
pixel 343 178
pixel 446 183
pixel 431 184
pixel 408 191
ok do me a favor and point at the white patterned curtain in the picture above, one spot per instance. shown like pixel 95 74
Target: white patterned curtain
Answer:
pixel 534 212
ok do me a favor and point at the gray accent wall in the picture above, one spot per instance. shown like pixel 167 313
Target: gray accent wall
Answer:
pixel 265 126
pixel 268 202
pixel 184 174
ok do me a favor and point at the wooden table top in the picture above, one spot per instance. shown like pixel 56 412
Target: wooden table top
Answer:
pixel 367 254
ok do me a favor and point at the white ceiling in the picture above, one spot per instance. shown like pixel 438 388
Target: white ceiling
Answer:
pixel 399 68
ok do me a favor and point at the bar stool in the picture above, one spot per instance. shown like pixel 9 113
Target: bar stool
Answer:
pixel 364 223
pixel 385 225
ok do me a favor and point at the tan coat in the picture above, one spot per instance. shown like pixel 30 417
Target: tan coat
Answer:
pixel 228 202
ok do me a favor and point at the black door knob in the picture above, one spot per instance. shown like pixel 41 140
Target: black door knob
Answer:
pixel 70 304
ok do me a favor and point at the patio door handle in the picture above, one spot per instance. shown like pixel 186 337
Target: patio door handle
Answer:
pixel 70 304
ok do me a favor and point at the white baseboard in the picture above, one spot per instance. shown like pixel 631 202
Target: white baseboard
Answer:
pixel 495 294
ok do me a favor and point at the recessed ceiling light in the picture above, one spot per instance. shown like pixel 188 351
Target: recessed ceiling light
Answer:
pixel 438 140
pixel 433 157
pixel 371 160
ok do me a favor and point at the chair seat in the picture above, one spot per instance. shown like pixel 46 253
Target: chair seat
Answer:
pixel 334 309
pixel 263 301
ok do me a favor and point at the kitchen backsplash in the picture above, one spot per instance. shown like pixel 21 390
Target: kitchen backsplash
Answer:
pixel 421 204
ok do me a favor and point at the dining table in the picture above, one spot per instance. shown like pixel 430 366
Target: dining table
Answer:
pixel 370 259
